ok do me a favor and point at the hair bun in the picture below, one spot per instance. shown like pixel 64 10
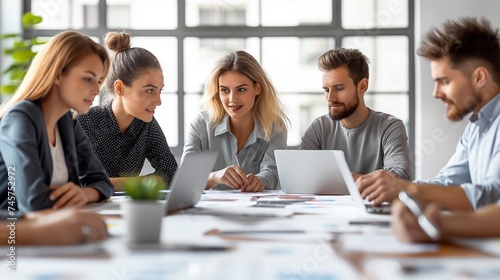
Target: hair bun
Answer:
pixel 117 41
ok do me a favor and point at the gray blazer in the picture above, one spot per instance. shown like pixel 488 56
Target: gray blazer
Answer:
pixel 26 162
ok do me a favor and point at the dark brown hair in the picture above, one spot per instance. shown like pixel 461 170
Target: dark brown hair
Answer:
pixel 464 40
pixel 357 62
pixel 128 63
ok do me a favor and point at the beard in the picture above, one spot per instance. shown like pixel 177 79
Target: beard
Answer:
pixel 347 110
pixel 457 113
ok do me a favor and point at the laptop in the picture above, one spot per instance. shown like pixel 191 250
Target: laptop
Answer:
pixel 340 167
pixel 190 180
pixel 321 172
pixel 309 172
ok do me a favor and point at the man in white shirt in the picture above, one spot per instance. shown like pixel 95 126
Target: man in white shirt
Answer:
pixel 465 64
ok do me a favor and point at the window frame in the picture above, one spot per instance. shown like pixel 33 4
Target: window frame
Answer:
pixel 334 30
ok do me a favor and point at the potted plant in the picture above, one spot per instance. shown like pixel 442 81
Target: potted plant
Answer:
pixel 143 212
pixel 22 50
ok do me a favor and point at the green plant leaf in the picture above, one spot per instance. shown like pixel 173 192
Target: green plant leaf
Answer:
pixel 8 51
pixel 21 44
pixel 9 89
pixel 20 52
pixel 152 186
pixel 23 55
pixel 9 35
pixel 17 75
pixel 29 20
pixel 133 188
pixel 38 41
pixel 147 188
pixel 15 66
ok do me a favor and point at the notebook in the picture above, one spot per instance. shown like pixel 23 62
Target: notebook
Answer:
pixel 309 172
pixel 189 181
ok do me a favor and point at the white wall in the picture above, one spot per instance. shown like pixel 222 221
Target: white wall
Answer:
pixel 437 137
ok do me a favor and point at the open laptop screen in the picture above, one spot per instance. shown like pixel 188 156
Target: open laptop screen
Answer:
pixel 190 180
pixel 309 172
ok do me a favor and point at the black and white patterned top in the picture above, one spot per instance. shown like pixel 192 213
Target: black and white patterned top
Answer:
pixel 123 155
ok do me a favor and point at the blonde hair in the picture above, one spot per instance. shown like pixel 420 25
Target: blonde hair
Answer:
pixel 57 56
pixel 128 63
pixel 267 108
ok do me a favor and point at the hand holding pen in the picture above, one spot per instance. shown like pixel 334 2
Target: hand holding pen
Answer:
pixel 242 186
pixel 232 176
pixel 252 182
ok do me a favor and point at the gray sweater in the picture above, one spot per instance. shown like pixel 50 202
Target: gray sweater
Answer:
pixel 380 142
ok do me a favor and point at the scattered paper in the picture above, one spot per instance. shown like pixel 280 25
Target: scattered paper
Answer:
pixel 488 245
pixel 433 268
pixel 384 244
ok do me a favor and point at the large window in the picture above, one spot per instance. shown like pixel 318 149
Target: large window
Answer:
pixel 286 36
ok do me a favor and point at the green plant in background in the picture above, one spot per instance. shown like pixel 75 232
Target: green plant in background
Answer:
pixel 22 53
pixel 144 188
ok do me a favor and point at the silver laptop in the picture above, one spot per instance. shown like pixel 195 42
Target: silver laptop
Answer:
pixel 189 181
pixel 340 167
pixel 309 172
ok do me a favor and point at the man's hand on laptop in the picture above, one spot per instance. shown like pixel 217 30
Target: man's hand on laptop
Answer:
pixel 355 175
pixel 379 186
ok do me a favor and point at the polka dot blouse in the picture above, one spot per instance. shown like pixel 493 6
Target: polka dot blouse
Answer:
pixel 123 155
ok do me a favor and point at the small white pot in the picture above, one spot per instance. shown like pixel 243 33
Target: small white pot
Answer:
pixel 143 220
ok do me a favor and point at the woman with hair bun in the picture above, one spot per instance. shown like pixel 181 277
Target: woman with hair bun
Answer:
pixel 123 131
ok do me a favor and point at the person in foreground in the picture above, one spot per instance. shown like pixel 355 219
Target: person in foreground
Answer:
pixel 46 161
pixel 123 131
pixel 244 121
pixel 48 227
pixel 371 141
pixel 465 64
pixel 482 223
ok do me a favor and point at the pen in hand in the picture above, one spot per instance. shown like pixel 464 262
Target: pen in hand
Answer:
pixel 237 162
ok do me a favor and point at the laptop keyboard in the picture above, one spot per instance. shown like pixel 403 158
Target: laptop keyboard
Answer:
pixel 382 209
